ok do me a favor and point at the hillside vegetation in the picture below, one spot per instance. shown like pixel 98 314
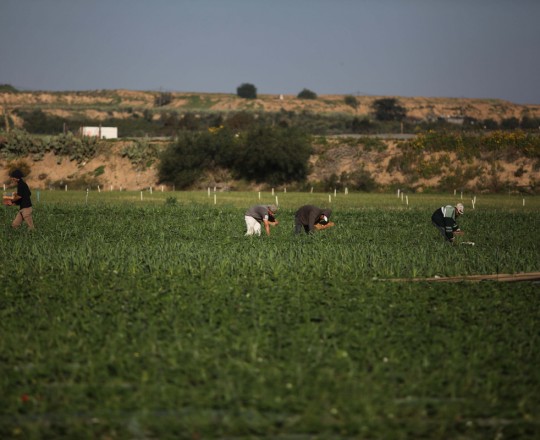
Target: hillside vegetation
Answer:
pixel 435 143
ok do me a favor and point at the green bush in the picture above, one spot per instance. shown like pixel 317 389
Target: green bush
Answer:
pixel 388 109
pixel 247 91
pixel 307 94
pixel 273 155
pixel 262 154
pixel 351 101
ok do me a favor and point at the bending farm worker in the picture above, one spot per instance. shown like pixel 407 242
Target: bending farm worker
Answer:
pixel 21 198
pixel 444 219
pixel 260 214
pixel 311 218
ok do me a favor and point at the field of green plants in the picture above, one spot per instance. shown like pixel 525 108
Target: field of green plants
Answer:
pixel 138 315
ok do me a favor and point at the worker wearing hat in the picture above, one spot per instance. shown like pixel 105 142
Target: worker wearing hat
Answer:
pixel 444 219
pixel 22 199
pixel 311 218
pixel 260 214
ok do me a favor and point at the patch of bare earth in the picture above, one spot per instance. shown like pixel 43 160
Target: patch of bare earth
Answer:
pixel 118 172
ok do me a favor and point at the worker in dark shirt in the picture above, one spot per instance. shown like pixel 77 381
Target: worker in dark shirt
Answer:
pixel 311 218
pixel 22 199
pixel 444 219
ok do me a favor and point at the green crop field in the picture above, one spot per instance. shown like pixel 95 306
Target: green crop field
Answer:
pixel 149 315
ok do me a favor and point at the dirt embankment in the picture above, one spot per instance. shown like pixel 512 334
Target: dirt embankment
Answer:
pixel 109 168
pixel 337 157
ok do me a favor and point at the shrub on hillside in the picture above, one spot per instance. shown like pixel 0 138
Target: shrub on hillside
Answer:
pixel 273 155
pixel 263 154
pixel 388 109
pixel 307 94
pixel 247 91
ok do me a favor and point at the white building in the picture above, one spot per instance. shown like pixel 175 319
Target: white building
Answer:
pixel 100 132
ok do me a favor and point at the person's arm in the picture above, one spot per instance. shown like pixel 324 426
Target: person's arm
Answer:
pixel 266 226
pixel 449 228
pixel 312 220
pixel 320 227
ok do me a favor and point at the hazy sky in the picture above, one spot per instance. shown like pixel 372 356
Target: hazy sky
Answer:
pixel 436 48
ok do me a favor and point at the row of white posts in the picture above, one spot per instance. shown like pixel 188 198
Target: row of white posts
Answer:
pixel 473 200
pixel 400 194
pixel 274 194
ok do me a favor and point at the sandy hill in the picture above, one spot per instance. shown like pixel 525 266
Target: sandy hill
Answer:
pixel 334 159
pixel 101 104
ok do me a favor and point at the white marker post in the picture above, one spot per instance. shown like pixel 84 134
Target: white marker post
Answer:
pixel 335 192
pixel 208 191
pixel 259 195
pixel 141 196
pixel 398 193
pixel 65 188
pixel 272 191
pixel 407 200
pixel 277 201
pixel 215 199
pixel 86 202
pixel 329 198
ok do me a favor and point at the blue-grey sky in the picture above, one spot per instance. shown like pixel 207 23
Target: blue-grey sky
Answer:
pixel 433 48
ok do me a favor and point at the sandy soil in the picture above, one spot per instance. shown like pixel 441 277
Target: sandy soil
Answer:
pixel 119 172
pixel 334 158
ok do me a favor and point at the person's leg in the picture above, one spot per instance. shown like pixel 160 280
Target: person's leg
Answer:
pixel 441 230
pixel 252 225
pixel 249 227
pixel 17 221
pixel 27 216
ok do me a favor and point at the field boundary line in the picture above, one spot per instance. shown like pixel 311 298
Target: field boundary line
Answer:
pixel 502 277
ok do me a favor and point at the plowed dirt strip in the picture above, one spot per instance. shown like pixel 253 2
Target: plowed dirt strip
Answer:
pixel 529 276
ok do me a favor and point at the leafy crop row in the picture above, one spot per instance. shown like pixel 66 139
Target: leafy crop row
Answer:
pixel 162 320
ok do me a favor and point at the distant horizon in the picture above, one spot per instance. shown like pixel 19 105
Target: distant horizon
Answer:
pixel 485 49
pixel 163 90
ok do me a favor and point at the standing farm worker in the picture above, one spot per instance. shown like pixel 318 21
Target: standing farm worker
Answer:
pixel 444 219
pixel 312 218
pixel 22 199
pixel 265 214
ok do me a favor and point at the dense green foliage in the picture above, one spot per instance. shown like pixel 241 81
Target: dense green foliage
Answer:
pixel 18 143
pixel 307 94
pixel 247 90
pixel 164 321
pixel 388 109
pixel 270 155
pixel 7 88
pixel 164 121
